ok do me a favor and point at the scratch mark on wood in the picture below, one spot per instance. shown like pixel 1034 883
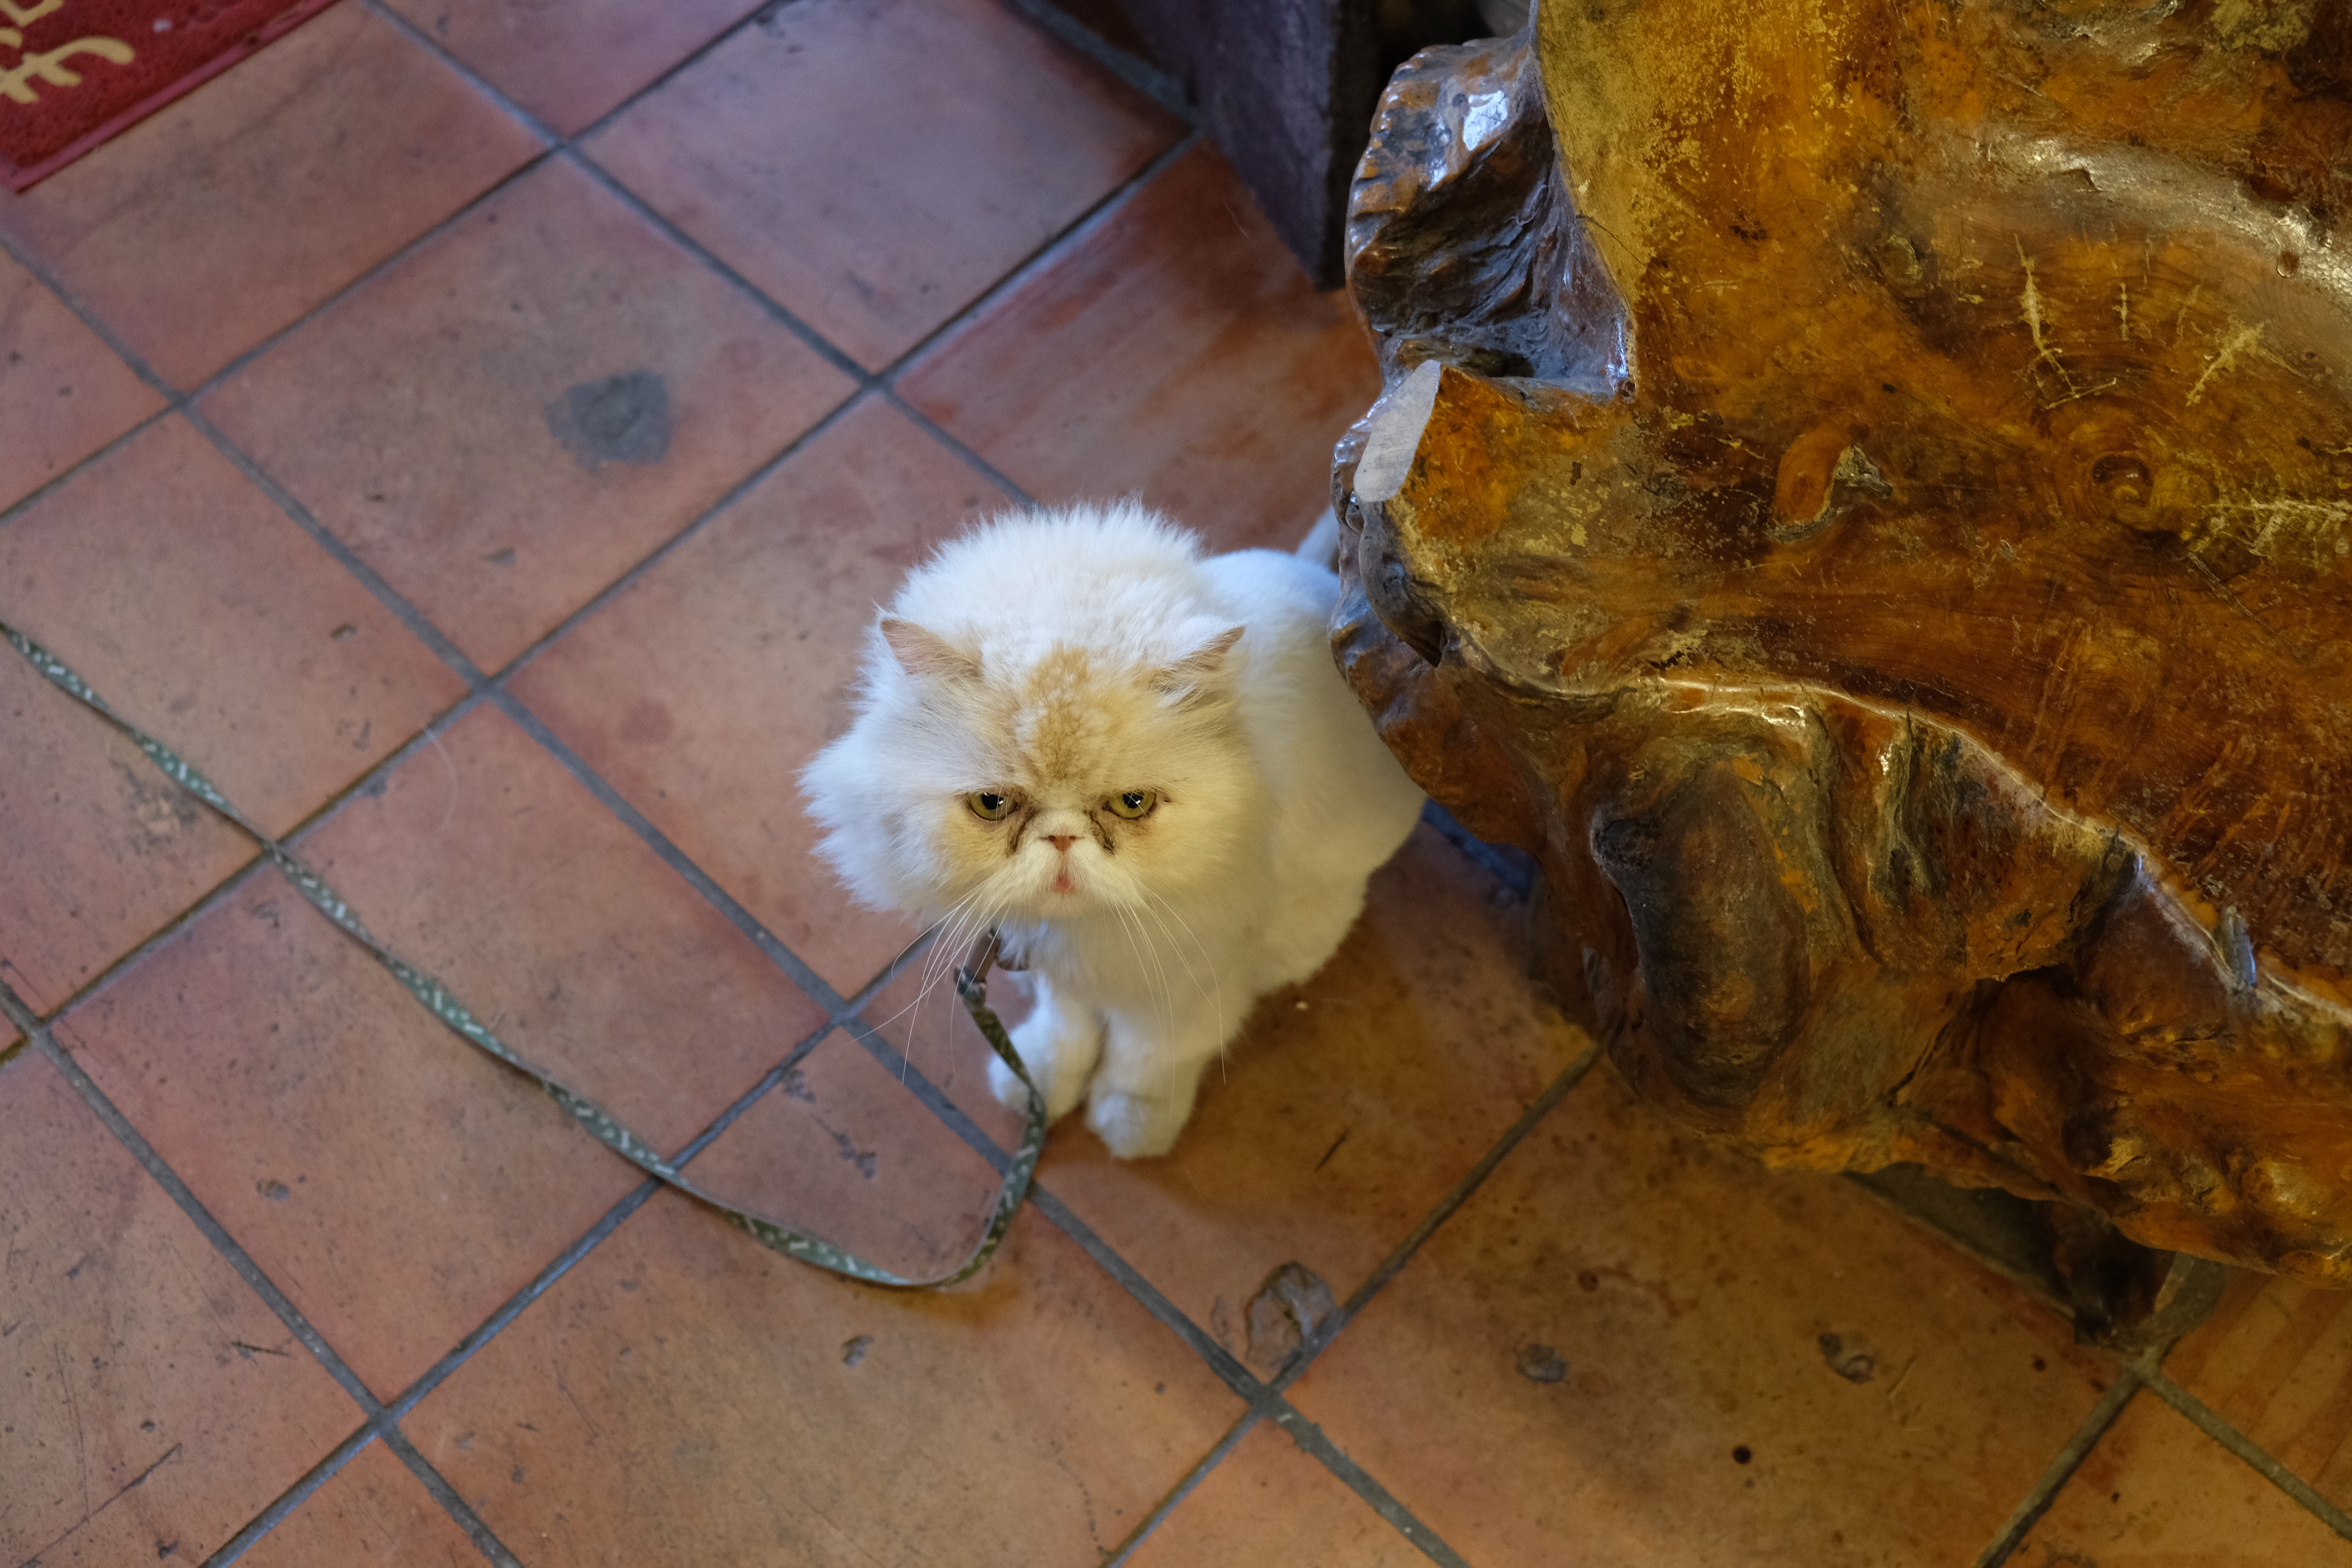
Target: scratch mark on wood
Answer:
pixel 2231 347
pixel 2186 306
pixel 2030 302
pixel 2085 391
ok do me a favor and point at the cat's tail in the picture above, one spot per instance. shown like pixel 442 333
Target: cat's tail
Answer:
pixel 1321 544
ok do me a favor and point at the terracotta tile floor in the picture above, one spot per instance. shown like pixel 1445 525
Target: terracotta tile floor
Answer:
pixel 474 434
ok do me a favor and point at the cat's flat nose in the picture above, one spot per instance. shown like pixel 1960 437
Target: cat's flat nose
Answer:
pixel 1062 841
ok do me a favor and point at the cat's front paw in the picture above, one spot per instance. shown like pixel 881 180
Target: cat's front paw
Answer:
pixel 1034 1045
pixel 1011 1092
pixel 1135 1127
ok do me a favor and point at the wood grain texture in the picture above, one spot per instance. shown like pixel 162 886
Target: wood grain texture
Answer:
pixel 1864 496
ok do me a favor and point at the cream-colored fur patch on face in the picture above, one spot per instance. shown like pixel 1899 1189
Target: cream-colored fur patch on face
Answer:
pixel 1061 715
pixel 1068 736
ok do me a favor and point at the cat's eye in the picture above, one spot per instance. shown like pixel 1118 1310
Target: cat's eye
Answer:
pixel 1135 803
pixel 988 806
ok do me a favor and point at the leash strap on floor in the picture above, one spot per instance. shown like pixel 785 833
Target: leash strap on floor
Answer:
pixel 972 985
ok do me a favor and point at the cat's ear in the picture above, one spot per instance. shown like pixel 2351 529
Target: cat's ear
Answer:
pixel 924 653
pixel 1194 676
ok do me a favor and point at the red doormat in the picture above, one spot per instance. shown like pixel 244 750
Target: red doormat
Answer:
pixel 75 72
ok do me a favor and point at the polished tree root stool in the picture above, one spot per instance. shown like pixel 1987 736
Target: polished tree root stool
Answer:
pixel 1863 497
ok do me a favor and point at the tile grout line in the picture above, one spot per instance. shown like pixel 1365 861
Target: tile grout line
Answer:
pixel 13 1007
pixel 1120 1555
pixel 1519 880
pixel 956 448
pixel 228 886
pixel 405 1404
pixel 1222 1361
pixel 1308 1435
pixel 482 1334
pixel 881 383
pixel 1266 1399
pixel 57 481
pixel 760 473
pixel 470 208
pixel 1140 74
pixel 744 922
pixel 485 1540
pixel 292 1498
pixel 442 646
pixel 2062 1467
pixel 509 106
pixel 814 341
pixel 569 150
pixel 1312 1438
pixel 182 404
pixel 2211 1421
pixel 241 1262
pixel 1536 1110
pixel 547 134
pixel 399 1408
pixel 1055 249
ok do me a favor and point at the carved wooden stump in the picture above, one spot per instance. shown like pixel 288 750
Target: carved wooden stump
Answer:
pixel 1863 496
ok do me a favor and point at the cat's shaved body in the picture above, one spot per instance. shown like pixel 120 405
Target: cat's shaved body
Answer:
pixel 1141 765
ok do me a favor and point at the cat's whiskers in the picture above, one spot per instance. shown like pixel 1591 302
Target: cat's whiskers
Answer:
pixel 942 955
pixel 1167 988
pixel 976 918
pixel 1160 968
pixel 937 961
pixel 1130 929
pixel 1216 999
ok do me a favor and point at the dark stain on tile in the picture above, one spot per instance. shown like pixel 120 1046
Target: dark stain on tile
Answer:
pixel 863 1159
pixel 620 419
pixel 1288 1308
pixel 1541 1364
pixel 160 808
pixel 1851 1356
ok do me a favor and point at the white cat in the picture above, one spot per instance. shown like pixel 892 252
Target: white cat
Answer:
pixel 1141 765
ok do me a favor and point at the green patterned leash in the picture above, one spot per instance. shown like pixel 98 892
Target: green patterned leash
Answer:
pixel 972 985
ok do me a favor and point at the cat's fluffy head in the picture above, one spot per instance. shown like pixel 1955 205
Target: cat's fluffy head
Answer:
pixel 1046 728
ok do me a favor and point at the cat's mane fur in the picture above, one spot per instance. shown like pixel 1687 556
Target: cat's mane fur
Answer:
pixel 1060 662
